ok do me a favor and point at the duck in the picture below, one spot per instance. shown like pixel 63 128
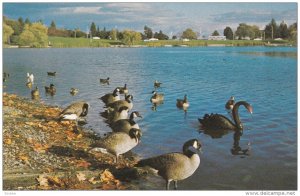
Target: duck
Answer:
pixel 74 91
pixel 114 116
pixel 74 111
pixel 104 81
pixel 220 122
pixel 30 78
pixel 157 97
pixel 117 104
pixel 29 84
pixel 157 84
pixel 51 73
pixel 124 125
pixel 183 103
pixel 177 165
pixel 111 97
pixel 118 143
pixel 229 104
pixel 124 90
pixel 35 93
pixel 50 89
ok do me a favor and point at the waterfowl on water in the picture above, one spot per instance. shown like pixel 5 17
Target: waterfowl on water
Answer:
pixel 50 89
pixel 5 76
pixel 51 73
pixel 30 78
pixel 175 166
pixel 74 91
pixel 75 111
pixel 124 90
pixel 35 93
pixel 111 97
pixel 124 125
pixel 118 143
pixel 157 97
pixel 229 104
pixel 220 122
pixel 157 84
pixel 29 84
pixel 104 81
pixel 183 103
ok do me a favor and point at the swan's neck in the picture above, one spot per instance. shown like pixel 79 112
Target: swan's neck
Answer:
pixel 236 116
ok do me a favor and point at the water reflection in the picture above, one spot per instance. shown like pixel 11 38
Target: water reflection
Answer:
pixel 154 105
pixel 236 149
pixel 273 54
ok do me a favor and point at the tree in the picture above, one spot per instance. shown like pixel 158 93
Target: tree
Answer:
pixel 293 32
pixel 130 37
pixel 271 30
pixel 246 31
pixel 34 35
pixel 113 34
pixel 174 37
pixel 21 24
pixel 283 30
pixel 27 21
pixel 26 38
pixel 93 29
pixel 148 32
pixel 228 33
pixel 161 36
pixel 215 33
pixel 53 25
pixel 7 32
pixel 189 34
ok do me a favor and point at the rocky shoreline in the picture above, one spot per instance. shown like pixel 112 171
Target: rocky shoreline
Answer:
pixel 41 153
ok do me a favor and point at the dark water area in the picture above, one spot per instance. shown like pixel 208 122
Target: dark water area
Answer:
pixel 209 76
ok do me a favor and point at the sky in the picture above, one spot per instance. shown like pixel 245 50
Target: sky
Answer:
pixel 170 17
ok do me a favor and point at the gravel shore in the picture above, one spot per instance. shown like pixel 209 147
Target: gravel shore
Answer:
pixel 41 153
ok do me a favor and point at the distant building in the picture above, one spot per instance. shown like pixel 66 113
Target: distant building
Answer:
pixel 185 40
pixel 219 37
pixel 150 40
pixel 96 37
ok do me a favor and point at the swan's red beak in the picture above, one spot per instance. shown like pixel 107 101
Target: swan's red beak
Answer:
pixel 250 109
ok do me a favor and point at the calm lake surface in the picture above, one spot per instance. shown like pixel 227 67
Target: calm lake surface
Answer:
pixel 266 77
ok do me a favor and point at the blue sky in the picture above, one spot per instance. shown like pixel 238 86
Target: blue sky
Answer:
pixel 170 17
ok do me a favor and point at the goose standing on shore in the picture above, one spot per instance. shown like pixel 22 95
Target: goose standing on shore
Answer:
pixel 220 122
pixel 35 93
pixel 175 166
pixel 75 111
pixel 115 106
pixel 114 116
pixel 119 143
pixel 111 97
pixel 125 125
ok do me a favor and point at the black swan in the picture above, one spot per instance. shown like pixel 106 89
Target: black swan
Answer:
pixel 218 121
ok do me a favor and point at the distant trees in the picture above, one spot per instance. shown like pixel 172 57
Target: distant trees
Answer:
pixel 93 30
pixel 148 32
pixel 215 33
pixel 34 35
pixel 283 31
pixel 161 36
pixel 130 37
pixel 113 34
pixel 228 33
pixel 189 34
pixel 245 31
pixel 7 32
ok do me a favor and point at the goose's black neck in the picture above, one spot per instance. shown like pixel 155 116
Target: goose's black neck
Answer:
pixel 186 149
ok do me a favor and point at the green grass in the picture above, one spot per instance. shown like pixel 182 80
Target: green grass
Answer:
pixel 67 42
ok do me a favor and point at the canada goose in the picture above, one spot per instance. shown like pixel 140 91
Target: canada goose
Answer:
pixel 123 90
pixel 50 89
pixel 229 104
pixel 175 166
pixel 117 104
pixel 157 84
pixel 104 81
pixel 30 78
pixel 156 97
pixel 111 97
pixel 122 113
pixel 74 91
pixel 35 93
pixel 75 111
pixel 51 73
pixel 119 142
pixel 183 103
pixel 29 84
pixel 124 125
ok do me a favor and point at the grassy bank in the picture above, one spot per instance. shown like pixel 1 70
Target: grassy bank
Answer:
pixel 62 42
pixel 41 153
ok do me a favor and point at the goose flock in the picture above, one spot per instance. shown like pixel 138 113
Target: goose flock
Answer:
pixel 126 133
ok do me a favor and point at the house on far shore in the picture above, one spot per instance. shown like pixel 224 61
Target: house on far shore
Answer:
pixel 150 40
pixel 219 37
pixel 185 40
pixel 96 37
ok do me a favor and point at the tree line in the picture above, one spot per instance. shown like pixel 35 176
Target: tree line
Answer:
pixel 35 34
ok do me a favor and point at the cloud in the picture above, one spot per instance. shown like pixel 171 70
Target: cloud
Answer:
pixel 78 10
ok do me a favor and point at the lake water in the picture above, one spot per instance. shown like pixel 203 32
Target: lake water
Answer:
pixel 266 77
